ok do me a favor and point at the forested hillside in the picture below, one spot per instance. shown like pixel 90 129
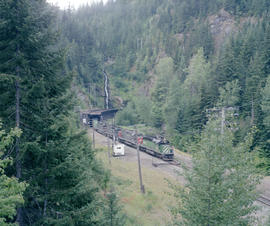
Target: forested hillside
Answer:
pixel 172 66
pixel 58 180
pixel 172 63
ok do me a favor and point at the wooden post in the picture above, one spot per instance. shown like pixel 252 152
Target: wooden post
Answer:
pixel 139 164
pixel 109 154
pixel 93 137
pixel 113 138
pixel 222 120
pixel 252 112
pixel 108 142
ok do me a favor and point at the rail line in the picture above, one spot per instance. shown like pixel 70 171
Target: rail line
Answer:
pixel 172 162
pixel 264 200
pixel 129 138
pixel 261 198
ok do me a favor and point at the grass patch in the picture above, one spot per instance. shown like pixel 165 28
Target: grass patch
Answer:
pixel 182 153
pixel 148 209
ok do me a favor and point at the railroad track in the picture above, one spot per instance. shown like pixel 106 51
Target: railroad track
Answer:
pixel 261 199
pixel 173 162
pixel 264 200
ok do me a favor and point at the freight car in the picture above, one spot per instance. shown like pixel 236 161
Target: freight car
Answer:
pixel 155 146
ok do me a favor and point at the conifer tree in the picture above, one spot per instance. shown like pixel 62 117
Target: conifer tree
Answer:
pixel 226 68
pixel 265 133
pixel 193 98
pixel 252 88
pixel 266 47
pixel 229 95
pixel 56 161
pixel 113 214
pixel 160 92
pixel 266 103
pixel 11 189
pixel 220 187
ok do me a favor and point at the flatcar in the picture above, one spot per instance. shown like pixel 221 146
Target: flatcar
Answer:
pixel 155 146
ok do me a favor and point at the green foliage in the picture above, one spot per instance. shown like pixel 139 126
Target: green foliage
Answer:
pixel 268 221
pixel 128 116
pixel 140 43
pixel 113 214
pixel 172 106
pixel 198 73
pixel 139 39
pixel 164 71
pixel 229 95
pixel 192 95
pixel 143 107
pixel 11 191
pixel 243 59
pixel 266 103
pixel 220 187
pixel 56 161
pixel 265 132
pixel 154 44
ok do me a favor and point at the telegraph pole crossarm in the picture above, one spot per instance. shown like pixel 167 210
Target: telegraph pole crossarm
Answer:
pixel 226 116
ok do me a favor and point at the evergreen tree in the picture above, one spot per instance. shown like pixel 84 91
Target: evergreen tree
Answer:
pixel 225 66
pixel 193 99
pixel 56 161
pixel 161 90
pixel 266 103
pixel 253 86
pixel 220 187
pixel 11 189
pixel 266 46
pixel 173 104
pixel 229 95
pixel 265 133
pixel 113 214
pixel 24 41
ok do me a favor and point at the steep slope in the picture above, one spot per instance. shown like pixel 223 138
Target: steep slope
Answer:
pixel 152 49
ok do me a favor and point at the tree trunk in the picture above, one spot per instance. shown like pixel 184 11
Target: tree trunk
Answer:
pixel 46 179
pixel 18 161
pixel 252 112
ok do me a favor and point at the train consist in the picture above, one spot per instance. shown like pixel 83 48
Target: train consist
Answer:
pixel 155 146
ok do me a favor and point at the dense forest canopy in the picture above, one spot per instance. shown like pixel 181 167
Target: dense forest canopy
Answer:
pixel 58 179
pixel 172 65
pixel 171 62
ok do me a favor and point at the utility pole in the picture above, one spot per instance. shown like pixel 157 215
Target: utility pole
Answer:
pixel 252 112
pixel 225 117
pixel 90 92
pixel 109 154
pixel 94 146
pixel 77 110
pixel 89 88
pixel 113 138
pixel 95 94
pixel 139 163
pixel 222 120
pixel 108 142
